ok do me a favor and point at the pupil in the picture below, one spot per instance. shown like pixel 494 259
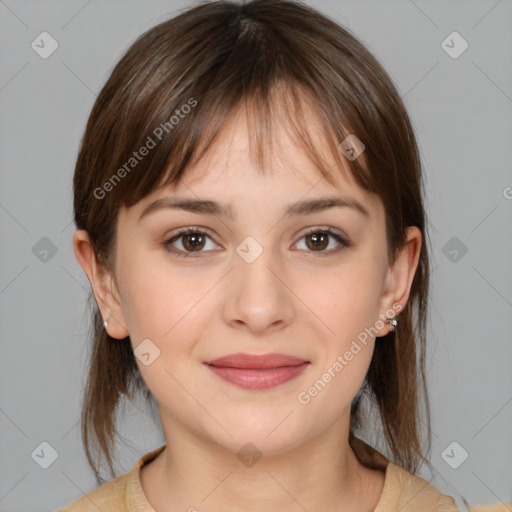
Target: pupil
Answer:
pixel 193 241
pixel 318 240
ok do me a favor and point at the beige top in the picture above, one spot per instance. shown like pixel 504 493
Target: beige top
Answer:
pixel 402 492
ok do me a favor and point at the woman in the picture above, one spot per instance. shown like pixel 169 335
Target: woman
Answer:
pixel 248 203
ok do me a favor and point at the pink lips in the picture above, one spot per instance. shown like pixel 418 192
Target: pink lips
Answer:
pixel 257 371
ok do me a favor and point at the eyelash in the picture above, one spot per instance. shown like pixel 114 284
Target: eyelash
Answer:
pixel 167 244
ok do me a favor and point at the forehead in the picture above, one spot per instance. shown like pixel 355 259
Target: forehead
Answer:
pixel 230 158
pixel 228 172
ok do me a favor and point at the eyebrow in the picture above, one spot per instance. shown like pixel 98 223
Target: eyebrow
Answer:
pixel 208 207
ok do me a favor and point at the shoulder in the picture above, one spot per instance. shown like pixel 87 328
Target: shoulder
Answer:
pixel 119 495
pixel 409 493
pixel 500 507
pixel 108 497
pixel 406 492
pixel 402 490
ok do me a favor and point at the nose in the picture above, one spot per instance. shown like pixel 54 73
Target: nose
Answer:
pixel 258 297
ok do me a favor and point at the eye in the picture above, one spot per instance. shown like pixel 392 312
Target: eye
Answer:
pixel 194 240
pixel 317 239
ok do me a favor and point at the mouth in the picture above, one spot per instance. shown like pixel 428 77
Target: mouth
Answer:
pixel 257 372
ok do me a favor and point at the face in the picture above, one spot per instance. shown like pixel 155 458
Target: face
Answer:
pixel 314 285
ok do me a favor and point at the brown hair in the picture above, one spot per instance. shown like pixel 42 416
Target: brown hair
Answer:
pixel 275 57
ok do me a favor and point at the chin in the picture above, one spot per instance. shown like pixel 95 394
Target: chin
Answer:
pixel 271 436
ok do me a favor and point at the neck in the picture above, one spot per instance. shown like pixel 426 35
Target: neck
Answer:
pixel 322 474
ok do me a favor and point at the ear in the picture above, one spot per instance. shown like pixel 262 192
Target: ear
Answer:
pixel 102 284
pixel 399 277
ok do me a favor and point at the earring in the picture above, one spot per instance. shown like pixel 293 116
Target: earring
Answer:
pixel 105 323
pixel 393 322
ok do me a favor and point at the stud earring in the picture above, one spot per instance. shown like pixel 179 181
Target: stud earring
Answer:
pixel 105 323
pixel 393 322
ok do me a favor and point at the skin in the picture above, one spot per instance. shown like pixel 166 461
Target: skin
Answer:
pixel 293 299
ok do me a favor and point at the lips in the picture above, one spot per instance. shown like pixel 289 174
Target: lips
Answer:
pixel 257 372
pixel 256 362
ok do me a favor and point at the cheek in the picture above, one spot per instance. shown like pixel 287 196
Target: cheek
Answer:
pixel 346 301
pixel 166 305
pixel 346 298
pixel 164 302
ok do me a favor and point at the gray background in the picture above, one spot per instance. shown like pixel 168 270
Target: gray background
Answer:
pixel 462 111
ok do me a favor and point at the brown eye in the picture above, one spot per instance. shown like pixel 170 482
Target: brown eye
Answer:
pixel 319 240
pixel 189 241
pixel 193 242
